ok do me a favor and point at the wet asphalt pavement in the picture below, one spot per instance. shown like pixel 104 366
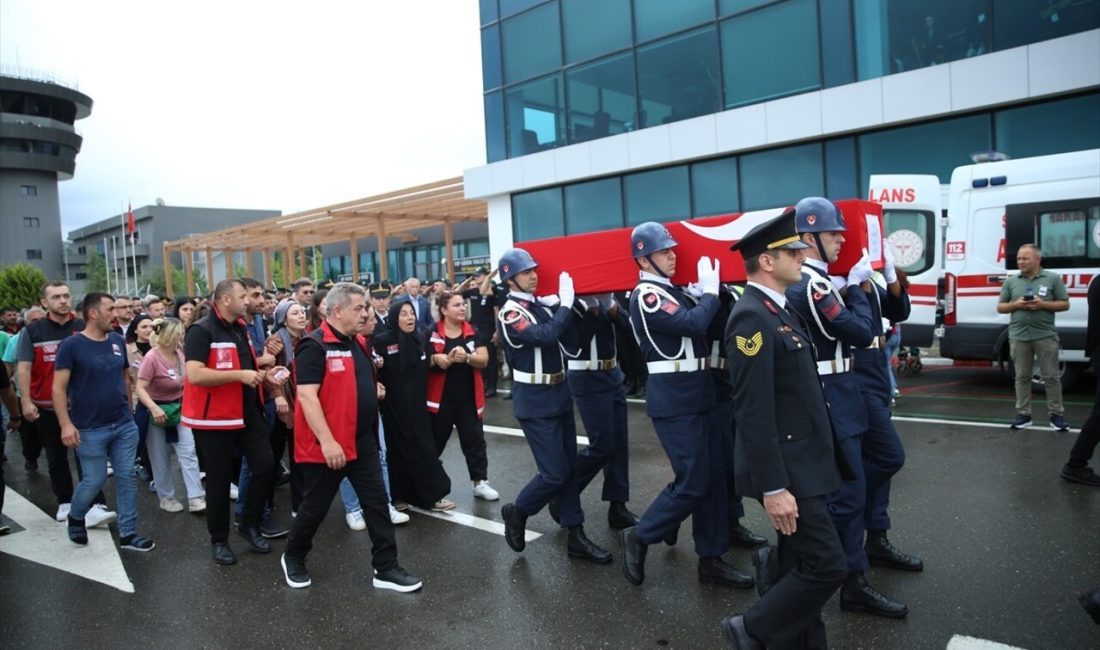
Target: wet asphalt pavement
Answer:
pixel 1007 547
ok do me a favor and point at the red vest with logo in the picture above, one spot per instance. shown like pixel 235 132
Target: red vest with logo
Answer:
pixel 222 406
pixel 45 336
pixel 338 394
pixel 437 377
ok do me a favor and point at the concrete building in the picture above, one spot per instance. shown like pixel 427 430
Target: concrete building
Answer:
pixel 154 225
pixel 38 147
pixel 607 114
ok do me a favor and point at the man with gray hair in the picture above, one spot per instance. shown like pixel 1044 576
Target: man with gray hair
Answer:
pixel 420 304
pixel 1032 297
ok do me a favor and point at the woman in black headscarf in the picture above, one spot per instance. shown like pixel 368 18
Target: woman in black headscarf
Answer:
pixel 416 475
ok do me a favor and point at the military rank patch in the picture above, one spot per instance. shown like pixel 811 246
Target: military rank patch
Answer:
pixel 651 299
pixel 516 319
pixel 749 346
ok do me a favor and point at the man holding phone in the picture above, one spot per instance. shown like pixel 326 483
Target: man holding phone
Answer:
pixel 1032 297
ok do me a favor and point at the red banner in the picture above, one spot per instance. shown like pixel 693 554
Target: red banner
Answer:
pixel 130 225
pixel 601 261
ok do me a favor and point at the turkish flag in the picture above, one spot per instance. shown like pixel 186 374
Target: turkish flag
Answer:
pixel 130 226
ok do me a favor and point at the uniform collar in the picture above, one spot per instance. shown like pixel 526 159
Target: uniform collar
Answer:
pixel 817 264
pixel 779 298
pixel 653 277
pixel 522 295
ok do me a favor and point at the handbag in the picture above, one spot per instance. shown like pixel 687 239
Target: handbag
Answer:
pixel 171 413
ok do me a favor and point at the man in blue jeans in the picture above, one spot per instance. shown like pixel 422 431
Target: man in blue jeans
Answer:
pixel 91 400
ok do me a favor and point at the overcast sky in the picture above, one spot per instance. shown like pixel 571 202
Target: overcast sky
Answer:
pixel 242 104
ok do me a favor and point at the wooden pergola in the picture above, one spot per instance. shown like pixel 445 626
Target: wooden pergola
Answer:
pixel 393 214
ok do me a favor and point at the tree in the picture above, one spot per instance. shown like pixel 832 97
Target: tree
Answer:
pixel 20 285
pixel 157 285
pixel 96 270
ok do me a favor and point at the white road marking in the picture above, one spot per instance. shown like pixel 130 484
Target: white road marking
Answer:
pixel 45 541
pixel 509 431
pixel 960 642
pixel 488 525
pixel 967 423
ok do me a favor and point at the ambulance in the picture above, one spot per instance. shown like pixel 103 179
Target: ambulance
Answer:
pixel 959 257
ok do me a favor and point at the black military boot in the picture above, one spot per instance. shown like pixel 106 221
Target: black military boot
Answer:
pixel 633 555
pixel 857 595
pixel 880 552
pixel 743 537
pixel 619 517
pixel 555 512
pixel 672 535
pixel 717 571
pixel 514 524
pixel 766 560
pixel 582 548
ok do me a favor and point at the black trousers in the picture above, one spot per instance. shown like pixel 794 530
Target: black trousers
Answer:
pixel 492 371
pixel 322 484
pixel 28 436
pixel 219 449
pixel 812 566
pixel 1085 446
pixel 297 481
pixel 57 457
pixel 462 415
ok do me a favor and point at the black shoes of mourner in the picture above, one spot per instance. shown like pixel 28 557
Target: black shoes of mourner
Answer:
pixel 633 555
pixel 254 539
pixel 555 512
pixel 743 537
pixel 223 554
pixel 1083 475
pixel 717 571
pixel 397 578
pixel 294 570
pixel 618 517
pixel 272 529
pixel 766 560
pixel 733 628
pixel 514 523
pixel 880 552
pixel 582 548
pixel 671 536
pixel 857 595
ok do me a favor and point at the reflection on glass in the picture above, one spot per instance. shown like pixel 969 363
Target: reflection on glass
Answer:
pixel 601 98
pixel 531 43
pixel 537 215
pixel 654 18
pixel 936 148
pixel 1050 127
pixel 679 78
pixel 657 195
pixel 594 205
pixel 898 35
pixel 534 111
pixel 714 187
pixel 490 57
pixel 593 28
pixel 791 67
pixel 772 179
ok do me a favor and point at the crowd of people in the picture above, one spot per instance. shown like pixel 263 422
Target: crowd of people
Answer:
pixel 361 388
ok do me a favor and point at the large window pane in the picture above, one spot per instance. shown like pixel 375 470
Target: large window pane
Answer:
pixel 594 27
pixel 791 67
pixel 494 127
pixel 714 187
pixel 537 215
pixel 773 179
pixel 936 148
pixel 488 11
pixel 727 7
pixel 678 78
pixel 509 7
pixel 531 43
pixel 535 116
pixel 1020 23
pixel 1053 127
pixel 490 57
pixel 655 18
pixel 899 35
pixel 658 195
pixel 601 98
pixel 595 205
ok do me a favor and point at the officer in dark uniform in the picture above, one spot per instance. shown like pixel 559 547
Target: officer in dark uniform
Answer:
pixel 380 300
pixel 671 331
pixel 532 332
pixel 839 318
pixel 483 316
pixel 787 457
pixel 882 452
pixel 596 383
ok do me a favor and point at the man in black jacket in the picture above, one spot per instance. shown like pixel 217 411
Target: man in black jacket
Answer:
pixel 786 452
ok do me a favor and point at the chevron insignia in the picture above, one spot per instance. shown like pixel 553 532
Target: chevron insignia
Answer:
pixel 751 345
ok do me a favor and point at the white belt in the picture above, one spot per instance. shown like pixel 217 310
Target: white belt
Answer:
pixel 717 361
pixel 834 367
pixel 677 365
pixel 878 343
pixel 537 378
pixel 598 364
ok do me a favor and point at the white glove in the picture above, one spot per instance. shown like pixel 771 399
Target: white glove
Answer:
pixel 862 271
pixel 838 282
pixel 708 275
pixel 565 290
pixel 607 301
pixel 891 271
pixel 549 301
pixel 693 290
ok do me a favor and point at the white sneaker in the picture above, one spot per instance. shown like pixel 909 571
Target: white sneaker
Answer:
pixel 485 491
pixel 110 469
pixel 355 520
pixel 233 492
pixel 397 517
pixel 170 504
pixel 198 504
pixel 63 511
pixel 99 515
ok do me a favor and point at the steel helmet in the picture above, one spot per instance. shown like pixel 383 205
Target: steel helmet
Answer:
pixel 515 261
pixel 648 238
pixel 816 214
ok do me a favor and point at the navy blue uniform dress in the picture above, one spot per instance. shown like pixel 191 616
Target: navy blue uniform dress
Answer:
pixel 671 332
pixel 723 413
pixel 838 325
pixel 532 334
pixel 596 382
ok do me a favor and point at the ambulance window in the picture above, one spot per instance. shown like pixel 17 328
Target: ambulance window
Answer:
pixel 1068 232
pixel 911 236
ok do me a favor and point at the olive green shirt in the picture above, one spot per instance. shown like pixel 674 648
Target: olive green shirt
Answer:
pixel 1025 325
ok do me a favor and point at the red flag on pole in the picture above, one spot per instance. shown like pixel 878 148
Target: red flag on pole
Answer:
pixel 130 226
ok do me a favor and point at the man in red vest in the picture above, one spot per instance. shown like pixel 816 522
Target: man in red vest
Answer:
pixel 334 437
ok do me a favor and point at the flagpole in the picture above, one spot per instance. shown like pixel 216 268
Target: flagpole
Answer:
pixel 114 258
pixel 107 263
pixel 133 244
pixel 125 262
